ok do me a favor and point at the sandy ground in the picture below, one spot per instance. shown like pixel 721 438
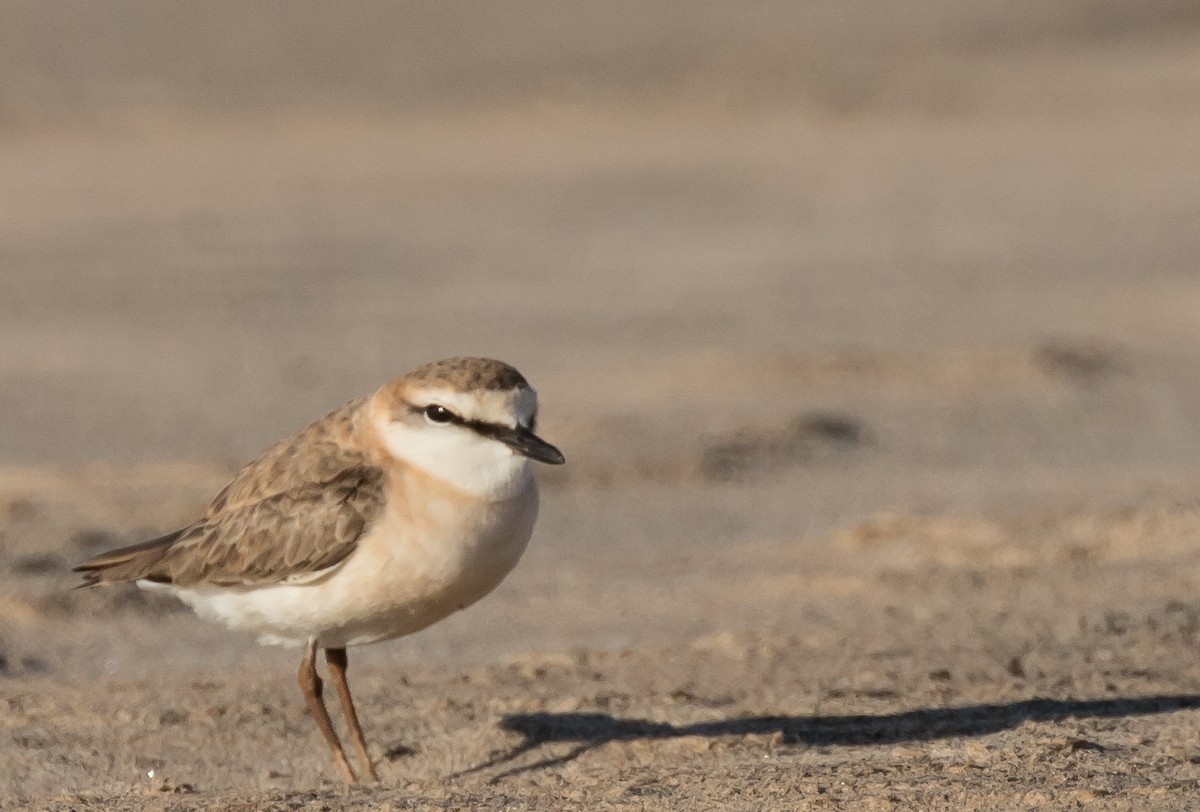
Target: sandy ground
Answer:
pixel 870 337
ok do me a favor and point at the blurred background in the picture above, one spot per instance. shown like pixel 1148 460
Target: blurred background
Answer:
pixel 220 219
pixel 775 267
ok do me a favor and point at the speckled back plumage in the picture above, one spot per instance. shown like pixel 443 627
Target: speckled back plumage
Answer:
pixel 316 453
pixel 298 508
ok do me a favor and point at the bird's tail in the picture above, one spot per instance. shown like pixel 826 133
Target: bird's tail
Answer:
pixel 127 563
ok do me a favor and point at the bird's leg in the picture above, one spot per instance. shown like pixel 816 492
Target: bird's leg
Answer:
pixel 337 660
pixel 310 686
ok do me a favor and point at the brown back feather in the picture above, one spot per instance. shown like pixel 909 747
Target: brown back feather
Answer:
pixel 298 508
pixel 316 453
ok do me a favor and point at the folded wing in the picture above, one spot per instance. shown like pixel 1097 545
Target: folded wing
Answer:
pixel 289 534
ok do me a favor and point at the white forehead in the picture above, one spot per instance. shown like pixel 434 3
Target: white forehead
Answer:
pixel 504 406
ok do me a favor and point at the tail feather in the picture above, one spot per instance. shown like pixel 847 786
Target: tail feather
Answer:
pixel 127 563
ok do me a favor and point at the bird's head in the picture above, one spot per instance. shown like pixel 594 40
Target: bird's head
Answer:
pixel 467 421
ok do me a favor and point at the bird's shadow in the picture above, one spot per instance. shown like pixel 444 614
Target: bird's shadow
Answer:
pixel 591 730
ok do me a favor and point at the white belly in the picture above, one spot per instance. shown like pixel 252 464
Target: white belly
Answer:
pixel 405 575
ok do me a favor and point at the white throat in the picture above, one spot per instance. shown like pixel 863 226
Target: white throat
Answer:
pixel 460 458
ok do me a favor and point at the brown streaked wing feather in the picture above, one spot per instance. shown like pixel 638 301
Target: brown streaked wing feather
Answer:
pixel 316 453
pixel 299 531
pixel 301 506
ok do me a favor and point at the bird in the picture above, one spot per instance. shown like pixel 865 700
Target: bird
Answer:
pixel 373 522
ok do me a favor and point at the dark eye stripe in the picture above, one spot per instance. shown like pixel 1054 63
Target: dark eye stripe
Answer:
pixel 482 427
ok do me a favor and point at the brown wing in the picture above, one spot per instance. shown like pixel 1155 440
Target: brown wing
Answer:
pixel 300 531
pixel 316 453
pixel 298 508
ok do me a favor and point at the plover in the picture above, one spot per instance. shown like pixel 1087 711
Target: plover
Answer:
pixel 374 522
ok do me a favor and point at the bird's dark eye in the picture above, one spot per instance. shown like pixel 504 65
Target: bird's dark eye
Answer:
pixel 438 414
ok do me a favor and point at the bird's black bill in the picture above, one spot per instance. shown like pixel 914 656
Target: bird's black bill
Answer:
pixel 528 444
